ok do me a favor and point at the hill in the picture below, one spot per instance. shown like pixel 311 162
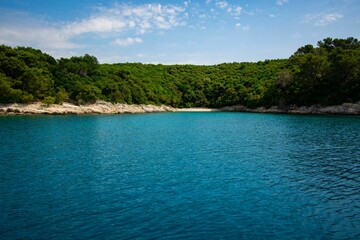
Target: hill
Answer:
pixel 328 74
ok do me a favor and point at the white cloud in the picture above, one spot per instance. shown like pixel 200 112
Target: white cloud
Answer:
pixel 327 19
pixel 19 28
pixel 222 4
pixel 281 2
pixel 202 16
pixel 142 18
pixel 322 19
pixel 100 24
pixel 120 19
pixel 233 10
pixel 238 10
pixel 127 41
pixel 39 37
pixel 240 26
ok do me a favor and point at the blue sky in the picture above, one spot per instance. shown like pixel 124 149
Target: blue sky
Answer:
pixel 176 32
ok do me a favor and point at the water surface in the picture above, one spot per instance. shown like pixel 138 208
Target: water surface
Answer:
pixel 180 175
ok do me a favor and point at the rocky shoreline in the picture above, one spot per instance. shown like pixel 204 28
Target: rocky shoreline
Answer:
pixel 343 109
pixel 102 107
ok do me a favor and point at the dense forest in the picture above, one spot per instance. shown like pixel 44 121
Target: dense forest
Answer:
pixel 327 74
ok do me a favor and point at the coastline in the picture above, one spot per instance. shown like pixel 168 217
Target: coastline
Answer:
pixel 102 107
pixel 198 110
pixel 343 109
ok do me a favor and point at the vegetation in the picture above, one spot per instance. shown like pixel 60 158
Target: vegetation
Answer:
pixel 327 74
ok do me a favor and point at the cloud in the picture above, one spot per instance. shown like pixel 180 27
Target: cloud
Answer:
pixel 240 26
pixel 99 24
pixel 238 10
pixel 271 15
pixel 119 19
pixel 328 18
pixel 233 10
pixel 222 4
pixel 281 2
pixel 19 28
pixel 127 41
pixel 323 19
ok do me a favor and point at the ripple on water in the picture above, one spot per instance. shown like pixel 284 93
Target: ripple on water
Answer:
pixel 180 175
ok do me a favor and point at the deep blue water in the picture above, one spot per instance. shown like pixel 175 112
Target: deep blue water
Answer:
pixel 180 175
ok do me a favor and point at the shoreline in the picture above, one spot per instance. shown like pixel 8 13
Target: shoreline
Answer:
pixel 198 110
pixel 343 109
pixel 102 107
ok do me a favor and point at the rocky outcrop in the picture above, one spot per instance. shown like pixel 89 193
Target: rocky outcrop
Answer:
pixel 100 107
pixel 344 109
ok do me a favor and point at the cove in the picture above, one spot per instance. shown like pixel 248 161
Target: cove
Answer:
pixel 180 176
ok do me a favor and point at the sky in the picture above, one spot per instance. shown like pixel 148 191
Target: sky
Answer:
pixel 176 32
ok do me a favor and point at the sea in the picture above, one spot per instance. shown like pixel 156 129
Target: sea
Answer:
pixel 210 175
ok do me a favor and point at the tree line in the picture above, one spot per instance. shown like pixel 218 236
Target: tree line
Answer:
pixel 326 74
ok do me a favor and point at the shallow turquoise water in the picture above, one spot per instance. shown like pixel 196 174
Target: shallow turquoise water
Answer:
pixel 180 175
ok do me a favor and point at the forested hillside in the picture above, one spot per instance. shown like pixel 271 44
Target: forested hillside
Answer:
pixel 327 74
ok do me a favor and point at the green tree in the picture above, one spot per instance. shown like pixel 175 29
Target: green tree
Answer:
pixel 61 95
pixel 37 82
pixel 310 84
pixel 7 93
pixel 87 93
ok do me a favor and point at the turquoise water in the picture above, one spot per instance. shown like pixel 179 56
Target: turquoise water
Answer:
pixel 180 176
